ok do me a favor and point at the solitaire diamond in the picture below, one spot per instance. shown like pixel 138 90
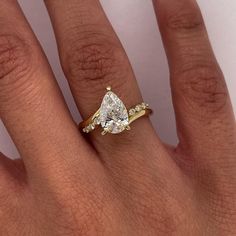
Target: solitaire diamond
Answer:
pixel 113 114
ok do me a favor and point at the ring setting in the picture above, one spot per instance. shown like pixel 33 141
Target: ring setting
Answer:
pixel 113 115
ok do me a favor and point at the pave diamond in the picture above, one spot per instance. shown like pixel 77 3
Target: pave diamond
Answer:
pixel 113 114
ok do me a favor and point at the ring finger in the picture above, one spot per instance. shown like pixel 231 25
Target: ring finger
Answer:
pixel 93 58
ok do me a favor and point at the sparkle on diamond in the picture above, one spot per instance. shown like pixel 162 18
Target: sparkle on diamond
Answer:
pixel 113 114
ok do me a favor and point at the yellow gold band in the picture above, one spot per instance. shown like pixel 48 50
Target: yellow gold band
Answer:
pixel 135 113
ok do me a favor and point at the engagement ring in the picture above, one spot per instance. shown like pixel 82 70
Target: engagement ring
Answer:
pixel 113 116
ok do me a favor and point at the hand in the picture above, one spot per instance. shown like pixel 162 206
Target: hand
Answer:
pixel 68 183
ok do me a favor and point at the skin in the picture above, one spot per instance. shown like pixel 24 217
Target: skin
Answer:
pixel 129 184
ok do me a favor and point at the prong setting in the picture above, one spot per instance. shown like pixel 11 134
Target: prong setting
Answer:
pixel 108 88
pixel 104 132
pixel 128 128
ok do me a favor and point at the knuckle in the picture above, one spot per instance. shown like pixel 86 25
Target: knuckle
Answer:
pixel 15 58
pixel 190 20
pixel 147 197
pixel 221 209
pixel 80 209
pixel 168 221
pixel 81 214
pixel 202 87
pixel 93 60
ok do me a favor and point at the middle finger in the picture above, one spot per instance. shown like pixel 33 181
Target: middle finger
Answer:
pixel 30 99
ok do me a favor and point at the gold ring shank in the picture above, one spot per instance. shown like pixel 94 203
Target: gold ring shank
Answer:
pixel 139 114
pixel 135 113
pixel 89 121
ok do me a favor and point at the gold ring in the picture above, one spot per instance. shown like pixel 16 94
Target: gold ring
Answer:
pixel 113 116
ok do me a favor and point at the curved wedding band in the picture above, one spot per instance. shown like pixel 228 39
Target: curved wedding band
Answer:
pixel 113 116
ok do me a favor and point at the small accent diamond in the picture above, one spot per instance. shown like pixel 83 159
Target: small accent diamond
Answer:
pixel 132 112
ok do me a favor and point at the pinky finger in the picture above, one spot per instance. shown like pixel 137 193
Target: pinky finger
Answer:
pixel 202 104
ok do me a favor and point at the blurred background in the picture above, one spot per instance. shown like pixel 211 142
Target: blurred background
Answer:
pixel 136 26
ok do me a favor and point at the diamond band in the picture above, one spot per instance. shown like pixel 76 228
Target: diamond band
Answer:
pixel 113 116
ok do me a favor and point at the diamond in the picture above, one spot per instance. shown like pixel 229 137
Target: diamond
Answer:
pixel 143 105
pixel 86 130
pixel 132 112
pixel 138 108
pixel 96 121
pixel 113 114
pixel 91 127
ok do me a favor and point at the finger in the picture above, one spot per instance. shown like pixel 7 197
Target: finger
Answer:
pixel 91 54
pixel 92 57
pixel 31 105
pixel 12 173
pixel 202 104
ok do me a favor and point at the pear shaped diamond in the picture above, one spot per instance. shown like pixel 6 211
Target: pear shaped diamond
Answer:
pixel 113 114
